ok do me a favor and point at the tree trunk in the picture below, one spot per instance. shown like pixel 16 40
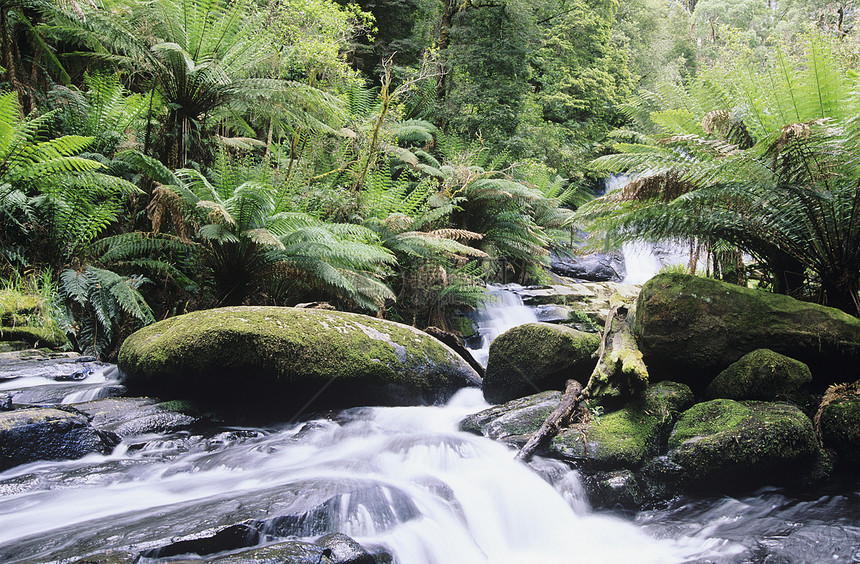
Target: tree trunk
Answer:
pixel 620 371
pixel 840 290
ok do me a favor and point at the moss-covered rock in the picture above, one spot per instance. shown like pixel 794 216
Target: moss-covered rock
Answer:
pixel 124 417
pixel 626 437
pixel 690 328
pixel 287 360
pixel 839 422
pixel 536 357
pixel 24 317
pixel 764 375
pixel 743 445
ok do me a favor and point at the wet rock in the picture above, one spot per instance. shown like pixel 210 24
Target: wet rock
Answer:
pixel 126 417
pixel 536 357
pixel 6 402
pixel 558 294
pixel 839 421
pixel 553 313
pixel 764 375
pixel 724 444
pixel 229 538
pixel 287 360
pixel 615 488
pixel 344 550
pixel 596 267
pixel 111 557
pixel 691 328
pixel 289 552
pixel 28 435
pixel 513 422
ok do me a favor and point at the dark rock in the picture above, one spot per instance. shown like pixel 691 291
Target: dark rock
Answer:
pixel 229 538
pixel 723 444
pixel 286 361
pixel 536 357
pixel 126 417
pixel 6 402
pixel 691 328
pixel 344 550
pixel 839 421
pixel 28 435
pixel 764 375
pixel 289 552
pixel 613 489
pixel 596 267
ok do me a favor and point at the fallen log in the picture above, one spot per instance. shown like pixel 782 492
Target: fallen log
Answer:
pixel 555 421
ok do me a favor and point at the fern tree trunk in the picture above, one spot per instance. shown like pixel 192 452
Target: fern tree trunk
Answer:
pixel 840 289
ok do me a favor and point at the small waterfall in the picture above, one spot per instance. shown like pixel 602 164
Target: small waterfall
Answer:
pixel 404 479
pixel 505 311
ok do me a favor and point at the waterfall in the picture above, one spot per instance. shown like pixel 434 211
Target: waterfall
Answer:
pixel 504 311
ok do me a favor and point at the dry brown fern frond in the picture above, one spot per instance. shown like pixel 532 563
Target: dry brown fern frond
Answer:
pixel 166 200
pixel 834 393
pixel 665 187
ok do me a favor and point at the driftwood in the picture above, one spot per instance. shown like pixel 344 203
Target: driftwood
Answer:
pixel 619 372
pixel 556 420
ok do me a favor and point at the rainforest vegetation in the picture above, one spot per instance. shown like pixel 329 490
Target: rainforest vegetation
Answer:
pixel 392 156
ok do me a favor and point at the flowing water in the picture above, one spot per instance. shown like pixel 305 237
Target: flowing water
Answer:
pixel 505 310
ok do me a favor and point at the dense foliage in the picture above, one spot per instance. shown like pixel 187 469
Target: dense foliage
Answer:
pixel 391 156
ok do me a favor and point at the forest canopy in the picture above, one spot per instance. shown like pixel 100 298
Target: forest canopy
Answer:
pixel 393 156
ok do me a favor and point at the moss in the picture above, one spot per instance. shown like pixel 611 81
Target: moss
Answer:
pixel 624 438
pixel 763 375
pixel 753 443
pixel 286 351
pixel 34 336
pixel 691 328
pixel 535 357
pixel 839 422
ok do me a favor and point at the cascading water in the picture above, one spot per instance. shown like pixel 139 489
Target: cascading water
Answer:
pixel 504 311
pixel 400 478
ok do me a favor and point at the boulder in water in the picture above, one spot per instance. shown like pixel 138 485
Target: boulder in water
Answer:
pixel 124 417
pixel 28 435
pixel 513 422
pixel 727 444
pixel 536 357
pixel 839 421
pixel 690 328
pixel 287 360
pixel 763 375
pixel 595 267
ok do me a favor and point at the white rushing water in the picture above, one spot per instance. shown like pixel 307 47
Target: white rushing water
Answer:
pixel 402 478
pixel 504 311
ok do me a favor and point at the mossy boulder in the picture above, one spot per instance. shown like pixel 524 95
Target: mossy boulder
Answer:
pixel 839 421
pixel 764 375
pixel 125 417
pixel 626 437
pixel 28 435
pixel 725 444
pixel 286 361
pixel 536 357
pixel 24 317
pixel 691 328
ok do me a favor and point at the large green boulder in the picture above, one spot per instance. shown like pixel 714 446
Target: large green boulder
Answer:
pixel 690 328
pixel 764 375
pixel 287 361
pixel 25 317
pixel 723 444
pixel 839 421
pixel 536 357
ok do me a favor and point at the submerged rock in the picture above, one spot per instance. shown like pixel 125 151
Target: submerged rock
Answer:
pixel 29 435
pixel 763 375
pixel 727 444
pixel 125 417
pixel 690 328
pixel 535 357
pixel 287 361
pixel 515 421
pixel 288 552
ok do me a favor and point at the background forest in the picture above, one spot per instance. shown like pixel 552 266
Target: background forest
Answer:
pixel 392 156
